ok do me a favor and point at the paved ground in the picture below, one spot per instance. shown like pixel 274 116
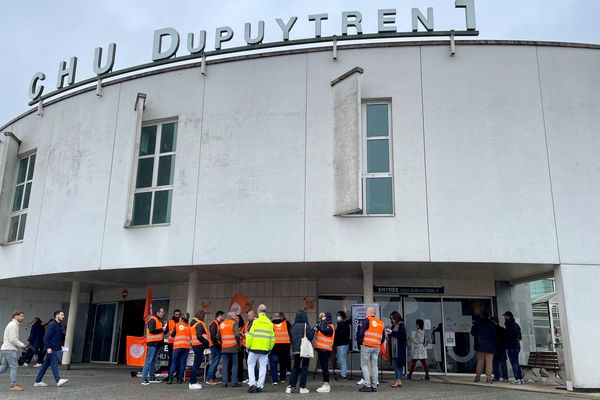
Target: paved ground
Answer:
pixel 101 382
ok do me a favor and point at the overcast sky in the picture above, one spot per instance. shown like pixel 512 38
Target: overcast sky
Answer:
pixel 38 34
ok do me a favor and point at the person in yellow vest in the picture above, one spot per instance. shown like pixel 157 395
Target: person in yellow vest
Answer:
pixel 181 349
pixel 229 335
pixel 369 337
pixel 171 339
pixel 280 354
pixel 215 348
pixel 200 342
pixel 154 339
pixel 260 339
pixel 324 346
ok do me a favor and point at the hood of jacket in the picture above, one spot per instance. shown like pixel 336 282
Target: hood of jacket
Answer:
pixel 328 318
pixel 301 317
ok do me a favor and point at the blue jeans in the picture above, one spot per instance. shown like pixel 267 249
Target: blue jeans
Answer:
pixel 180 357
pixel 215 358
pixel 149 363
pixel 198 358
pixel 500 370
pixel 51 360
pixel 9 360
pixel 300 369
pixel 276 359
pixel 398 365
pixel 227 358
pixel 342 359
pixel 513 356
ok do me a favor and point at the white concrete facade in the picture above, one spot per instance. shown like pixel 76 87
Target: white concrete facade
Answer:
pixel 494 154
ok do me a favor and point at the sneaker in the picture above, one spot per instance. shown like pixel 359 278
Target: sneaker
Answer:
pixel 259 389
pixel 288 389
pixel 304 390
pixel 25 364
pixel 145 383
pixel 155 380
pixel 324 389
pixel 61 382
pixel 365 388
pixel 37 365
pixel 40 384
pixel 213 382
pixel 252 389
pixel 246 381
pixel 517 382
pixel 194 386
pixel 15 388
pixel 275 383
pixel 361 382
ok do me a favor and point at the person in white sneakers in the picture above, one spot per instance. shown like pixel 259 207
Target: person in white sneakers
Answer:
pixel 10 346
pixel 53 341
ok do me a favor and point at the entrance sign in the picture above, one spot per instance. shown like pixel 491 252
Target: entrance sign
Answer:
pixel 166 42
pixel 408 290
pixel 359 312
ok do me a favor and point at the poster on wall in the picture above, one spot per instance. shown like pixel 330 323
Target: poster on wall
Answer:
pixel 359 312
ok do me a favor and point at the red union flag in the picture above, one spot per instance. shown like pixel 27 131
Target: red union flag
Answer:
pixel 148 305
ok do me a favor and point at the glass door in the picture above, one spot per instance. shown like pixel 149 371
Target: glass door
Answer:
pixel 104 348
pixel 430 311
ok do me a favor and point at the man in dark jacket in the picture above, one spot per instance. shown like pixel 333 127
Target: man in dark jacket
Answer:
pixel 36 342
pixel 341 342
pixel 513 345
pixel 53 342
pixel 484 332
pixel 197 325
pixel 215 349
pixel 500 369
pixel 280 353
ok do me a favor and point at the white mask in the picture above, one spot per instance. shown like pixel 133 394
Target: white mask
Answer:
pixel 339 318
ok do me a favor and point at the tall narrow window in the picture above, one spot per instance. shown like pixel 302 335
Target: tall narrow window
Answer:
pixel 154 180
pixel 20 204
pixel 378 195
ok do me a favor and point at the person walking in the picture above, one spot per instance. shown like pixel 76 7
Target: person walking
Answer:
pixel 419 350
pixel 279 356
pixel 215 349
pixel 229 335
pixel 324 346
pixel 10 345
pixel 500 370
pixel 397 346
pixel 36 343
pixel 260 339
pixel 484 332
pixel 182 335
pixel 513 345
pixel 200 342
pixel 53 342
pixel 341 343
pixel 300 329
pixel 369 337
pixel 154 340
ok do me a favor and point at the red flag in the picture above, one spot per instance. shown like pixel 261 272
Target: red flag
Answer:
pixel 136 350
pixel 148 306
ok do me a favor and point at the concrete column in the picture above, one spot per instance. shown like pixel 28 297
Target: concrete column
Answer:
pixel 579 302
pixel 367 268
pixel 71 321
pixel 191 294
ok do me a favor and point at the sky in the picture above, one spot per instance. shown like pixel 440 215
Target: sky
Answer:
pixel 37 34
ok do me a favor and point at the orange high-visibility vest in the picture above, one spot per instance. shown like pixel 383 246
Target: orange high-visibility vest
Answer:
pixel 182 338
pixel 325 342
pixel 282 335
pixel 374 333
pixel 216 322
pixel 194 333
pixel 243 332
pixel 154 337
pixel 171 328
pixel 227 334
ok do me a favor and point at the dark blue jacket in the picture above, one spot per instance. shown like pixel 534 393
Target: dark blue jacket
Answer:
pixel 53 339
pixel 484 332
pixel 297 333
pixel 513 335
pixel 36 336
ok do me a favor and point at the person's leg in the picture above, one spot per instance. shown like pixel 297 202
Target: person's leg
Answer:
pixel 425 367
pixel 273 360
pixel 4 363
pixel 283 365
pixel 513 356
pixel 263 359
pixel 295 371
pixel 479 367
pixel 173 366
pixel 225 359
pixel 10 361
pixel 252 359
pixel 185 353
pixel 147 361
pixel 240 357
pixel 54 365
pixel 215 358
pixel 364 365
pixel 304 372
pixel 342 356
pixel 198 356
pixel 397 368
pixel 234 368
pixel 170 354
pixel 413 365
pixel 496 367
pixel 324 359
pixel 503 368
pixel 43 368
pixel 488 366
pixel 374 366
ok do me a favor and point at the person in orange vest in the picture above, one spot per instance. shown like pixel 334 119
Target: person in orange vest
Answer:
pixel 215 348
pixel 154 339
pixel 200 342
pixel 182 335
pixel 324 346
pixel 369 337
pixel 170 339
pixel 251 315
pixel 281 351
pixel 229 335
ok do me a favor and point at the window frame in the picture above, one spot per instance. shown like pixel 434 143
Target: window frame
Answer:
pixel 21 211
pixel 159 123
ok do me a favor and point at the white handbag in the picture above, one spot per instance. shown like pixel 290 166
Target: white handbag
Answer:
pixel 306 349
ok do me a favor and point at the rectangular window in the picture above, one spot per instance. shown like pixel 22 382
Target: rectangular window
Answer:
pixel 155 172
pixel 20 201
pixel 377 182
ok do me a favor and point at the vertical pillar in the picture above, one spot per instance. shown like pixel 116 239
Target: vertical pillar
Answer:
pixel 191 294
pixel 367 268
pixel 579 300
pixel 71 321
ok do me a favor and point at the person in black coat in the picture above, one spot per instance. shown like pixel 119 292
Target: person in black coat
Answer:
pixel 36 342
pixel 500 370
pixel 397 346
pixel 53 342
pixel 484 332
pixel 513 344
pixel 341 342
pixel 300 329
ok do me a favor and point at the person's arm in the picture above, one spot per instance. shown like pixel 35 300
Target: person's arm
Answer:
pixel 236 333
pixel 199 332
pixel 310 333
pixel 273 340
pixel 249 336
pixel 360 333
pixel 152 327
pixel 14 337
pixel 325 329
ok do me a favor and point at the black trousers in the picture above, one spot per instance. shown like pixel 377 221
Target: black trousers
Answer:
pixel 324 356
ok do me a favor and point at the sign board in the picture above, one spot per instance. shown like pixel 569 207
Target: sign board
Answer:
pixel 359 312
pixel 450 339
pixel 408 290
